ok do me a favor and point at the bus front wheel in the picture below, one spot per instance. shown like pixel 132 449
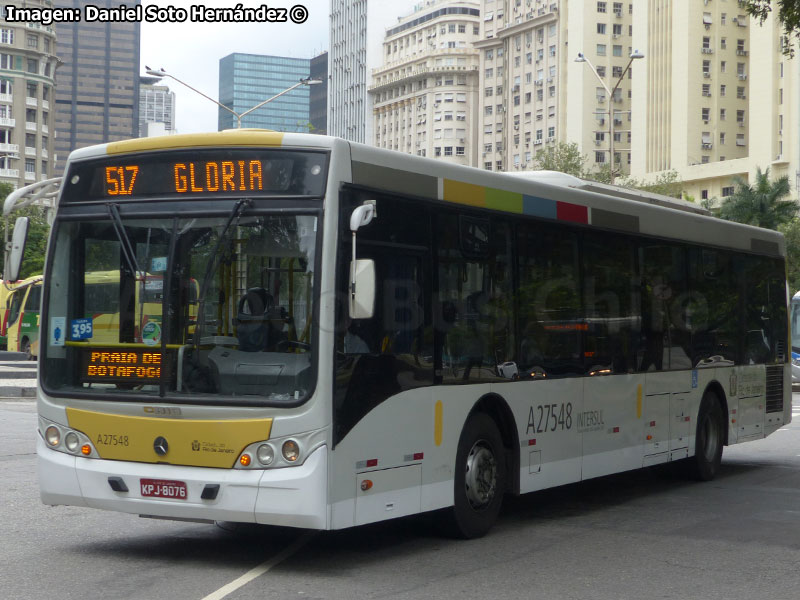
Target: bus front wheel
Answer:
pixel 480 478
pixel 709 439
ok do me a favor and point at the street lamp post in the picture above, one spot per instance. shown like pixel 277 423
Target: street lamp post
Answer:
pixel 582 59
pixel 162 73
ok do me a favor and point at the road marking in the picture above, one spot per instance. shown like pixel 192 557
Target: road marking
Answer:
pixel 258 571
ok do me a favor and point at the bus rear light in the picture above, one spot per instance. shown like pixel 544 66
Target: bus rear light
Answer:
pixel 52 436
pixel 366 485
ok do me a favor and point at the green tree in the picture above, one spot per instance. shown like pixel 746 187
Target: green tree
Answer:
pixel 38 230
pixel 564 157
pixel 788 15
pixel 666 184
pixel 761 204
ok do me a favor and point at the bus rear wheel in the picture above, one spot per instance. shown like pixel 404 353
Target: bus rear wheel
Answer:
pixel 480 478
pixel 709 439
pixel 26 348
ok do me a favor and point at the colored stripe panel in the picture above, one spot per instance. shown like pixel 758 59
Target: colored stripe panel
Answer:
pixel 394 180
pixel 539 207
pixel 464 193
pixel 502 200
pixel 572 212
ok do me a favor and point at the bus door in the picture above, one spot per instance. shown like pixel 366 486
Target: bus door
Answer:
pixel 392 352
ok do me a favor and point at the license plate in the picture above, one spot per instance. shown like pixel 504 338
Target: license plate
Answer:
pixel 161 488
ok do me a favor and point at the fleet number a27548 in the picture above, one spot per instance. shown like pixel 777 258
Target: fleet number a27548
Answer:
pixel 549 417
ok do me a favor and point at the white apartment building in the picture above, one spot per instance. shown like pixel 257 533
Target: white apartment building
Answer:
pixel 721 98
pixel 425 95
pixel 27 94
pixel 357 31
pixel 535 95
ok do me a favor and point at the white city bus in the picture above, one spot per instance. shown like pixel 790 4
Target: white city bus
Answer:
pixel 379 335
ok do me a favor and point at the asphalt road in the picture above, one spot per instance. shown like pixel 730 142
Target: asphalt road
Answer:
pixel 647 534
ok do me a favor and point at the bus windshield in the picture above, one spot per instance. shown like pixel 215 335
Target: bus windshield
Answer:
pixel 215 306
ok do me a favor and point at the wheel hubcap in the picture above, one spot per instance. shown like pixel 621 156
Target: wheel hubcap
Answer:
pixel 480 481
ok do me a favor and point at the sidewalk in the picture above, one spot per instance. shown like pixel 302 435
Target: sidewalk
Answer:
pixel 17 377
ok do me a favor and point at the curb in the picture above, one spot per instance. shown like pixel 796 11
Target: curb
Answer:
pixel 13 392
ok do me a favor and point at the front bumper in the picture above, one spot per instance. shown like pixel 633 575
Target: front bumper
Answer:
pixel 291 497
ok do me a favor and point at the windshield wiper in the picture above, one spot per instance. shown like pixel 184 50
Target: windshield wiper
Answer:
pixel 124 240
pixel 237 212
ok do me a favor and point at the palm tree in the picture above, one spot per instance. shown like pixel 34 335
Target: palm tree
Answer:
pixel 760 204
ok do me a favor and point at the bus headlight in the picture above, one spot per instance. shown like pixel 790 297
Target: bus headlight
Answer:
pixel 63 439
pixel 265 454
pixel 276 453
pixel 52 436
pixel 71 441
pixel 290 451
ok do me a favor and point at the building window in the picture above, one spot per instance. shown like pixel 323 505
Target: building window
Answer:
pixel 32 41
pixel 33 65
pixel 704 114
pixel 7 36
pixel 600 157
pixel 601 7
pixel 601 49
pixel 601 28
pixel 30 165
pixel 727 191
pixel 459 150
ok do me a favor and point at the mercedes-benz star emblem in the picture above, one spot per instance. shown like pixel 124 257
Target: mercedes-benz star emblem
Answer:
pixel 160 445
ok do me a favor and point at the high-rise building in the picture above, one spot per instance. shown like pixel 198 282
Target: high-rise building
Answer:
pixel 245 80
pixel 318 102
pixel 27 68
pixel 156 106
pixel 721 99
pixel 97 91
pixel 425 95
pixel 358 29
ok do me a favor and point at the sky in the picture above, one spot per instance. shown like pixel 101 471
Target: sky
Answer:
pixel 191 51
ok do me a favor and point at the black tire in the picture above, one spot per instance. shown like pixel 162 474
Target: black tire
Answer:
pixel 26 348
pixel 480 478
pixel 709 439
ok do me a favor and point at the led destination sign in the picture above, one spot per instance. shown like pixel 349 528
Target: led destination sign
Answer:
pixel 118 366
pixel 198 173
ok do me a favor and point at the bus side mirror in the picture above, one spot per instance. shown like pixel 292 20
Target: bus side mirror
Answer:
pixel 362 296
pixel 17 249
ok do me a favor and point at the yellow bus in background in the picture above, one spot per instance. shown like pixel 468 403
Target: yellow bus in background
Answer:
pixel 21 319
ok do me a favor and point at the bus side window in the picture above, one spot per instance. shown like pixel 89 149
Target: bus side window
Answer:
pixel 550 314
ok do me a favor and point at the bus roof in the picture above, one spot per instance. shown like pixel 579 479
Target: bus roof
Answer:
pixel 557 197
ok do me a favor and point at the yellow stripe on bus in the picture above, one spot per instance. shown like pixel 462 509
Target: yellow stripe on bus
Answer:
pixel 234 137
pixel 196 443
